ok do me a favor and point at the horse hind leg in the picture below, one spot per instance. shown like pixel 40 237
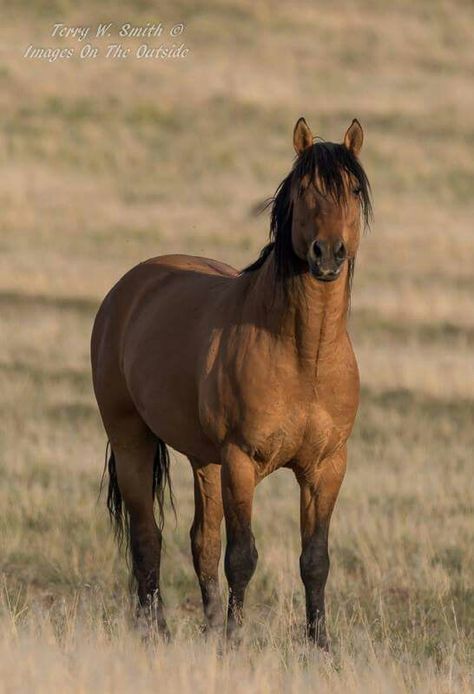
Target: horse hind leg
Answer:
pixel 136 467
pixel 206 538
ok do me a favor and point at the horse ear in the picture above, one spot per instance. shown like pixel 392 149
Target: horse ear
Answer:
pixel 354 137
pixel 302 136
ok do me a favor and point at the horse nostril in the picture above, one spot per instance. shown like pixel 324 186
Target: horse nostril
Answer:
pixel 317 250
pixel 339 251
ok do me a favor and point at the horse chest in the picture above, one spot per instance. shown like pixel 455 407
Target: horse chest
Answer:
pixel 274 418
pixel 278 411
pixel 307 433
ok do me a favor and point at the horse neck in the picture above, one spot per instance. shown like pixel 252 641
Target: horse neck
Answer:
pixel 309 318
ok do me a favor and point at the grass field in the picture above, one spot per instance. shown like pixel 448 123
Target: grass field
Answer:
pixel 104 163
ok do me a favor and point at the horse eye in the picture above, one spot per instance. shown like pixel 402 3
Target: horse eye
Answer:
pixel 356 191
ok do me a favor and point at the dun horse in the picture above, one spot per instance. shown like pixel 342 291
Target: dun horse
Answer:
pixel 244 373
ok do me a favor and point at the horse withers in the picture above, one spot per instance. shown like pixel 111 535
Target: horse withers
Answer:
pixel 244 373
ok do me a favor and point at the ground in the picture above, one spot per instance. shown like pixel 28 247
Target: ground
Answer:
pixel 105 163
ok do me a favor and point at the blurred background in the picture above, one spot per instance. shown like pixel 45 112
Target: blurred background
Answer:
pixel 105 162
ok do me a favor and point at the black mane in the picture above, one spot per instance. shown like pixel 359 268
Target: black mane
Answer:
pixel 324 163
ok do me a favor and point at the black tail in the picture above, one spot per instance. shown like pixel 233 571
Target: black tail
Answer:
pixel 161 478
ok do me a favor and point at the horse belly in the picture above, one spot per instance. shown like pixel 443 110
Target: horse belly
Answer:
pixel 162 385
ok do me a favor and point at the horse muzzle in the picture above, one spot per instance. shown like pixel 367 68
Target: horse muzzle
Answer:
pixel 326 258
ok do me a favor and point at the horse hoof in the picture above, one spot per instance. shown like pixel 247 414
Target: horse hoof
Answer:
pixel 152 631
pixel 211 631
pixel 233 638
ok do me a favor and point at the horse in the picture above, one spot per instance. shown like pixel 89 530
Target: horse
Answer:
pixel 243 372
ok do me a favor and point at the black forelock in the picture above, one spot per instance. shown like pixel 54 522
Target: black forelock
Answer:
pixel 325 164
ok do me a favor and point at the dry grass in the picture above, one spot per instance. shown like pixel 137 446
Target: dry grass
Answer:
pixel 105 164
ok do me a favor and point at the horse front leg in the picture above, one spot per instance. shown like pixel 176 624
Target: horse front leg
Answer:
pixel 319 487
pixel 238 486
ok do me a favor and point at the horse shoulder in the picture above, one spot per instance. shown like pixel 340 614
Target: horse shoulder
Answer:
pixel 251 392
pixel 334 404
